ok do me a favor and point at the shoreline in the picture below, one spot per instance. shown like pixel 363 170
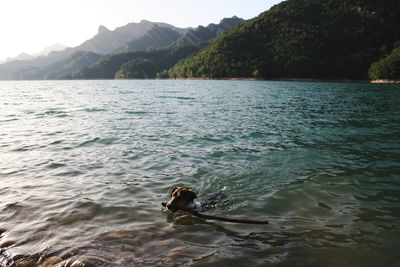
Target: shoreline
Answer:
pixel 274 80
pixel 379 81
pixel 385 81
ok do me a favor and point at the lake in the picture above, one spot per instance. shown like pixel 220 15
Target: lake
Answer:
pixel 84 166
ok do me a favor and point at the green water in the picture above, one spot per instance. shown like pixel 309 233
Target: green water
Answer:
pixel 84 166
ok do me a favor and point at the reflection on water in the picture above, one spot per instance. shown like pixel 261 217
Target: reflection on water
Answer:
pixel 86 164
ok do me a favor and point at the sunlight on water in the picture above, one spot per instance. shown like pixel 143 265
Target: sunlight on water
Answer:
pixel 86 164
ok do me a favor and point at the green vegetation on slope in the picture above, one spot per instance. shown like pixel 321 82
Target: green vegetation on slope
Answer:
pixel 105 67
pixel 387 67
pixel 154 62
pixel 127 65
pixel 329 39
pixel 140 68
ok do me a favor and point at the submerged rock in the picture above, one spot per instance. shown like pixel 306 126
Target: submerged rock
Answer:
pixel 51 261
pixel 84 262
pixel 25 262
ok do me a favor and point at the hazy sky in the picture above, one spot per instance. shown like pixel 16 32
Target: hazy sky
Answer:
pixel 31 25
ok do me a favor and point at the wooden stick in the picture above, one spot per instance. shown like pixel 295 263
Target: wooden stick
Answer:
pixel 221 218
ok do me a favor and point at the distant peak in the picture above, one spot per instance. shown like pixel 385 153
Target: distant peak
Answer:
pixel 143 21
pixel 21 56
pixel 51 48
pixel 102 29
pixel 234 18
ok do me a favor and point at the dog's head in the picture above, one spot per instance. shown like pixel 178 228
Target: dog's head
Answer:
pixel 181 197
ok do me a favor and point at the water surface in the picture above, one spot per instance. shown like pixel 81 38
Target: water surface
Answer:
pixel 84 166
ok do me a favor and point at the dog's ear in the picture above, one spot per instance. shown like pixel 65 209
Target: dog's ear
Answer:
pixel 173 190
pixel 189 195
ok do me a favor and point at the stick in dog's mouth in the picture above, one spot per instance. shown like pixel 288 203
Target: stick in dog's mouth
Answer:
pixel 219 218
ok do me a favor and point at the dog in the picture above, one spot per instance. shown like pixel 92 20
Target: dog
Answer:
pixel 184 198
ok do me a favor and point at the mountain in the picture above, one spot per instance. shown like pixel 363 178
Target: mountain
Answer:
pixel 104 42
pixel 203 34
pixel 159 37
pixel 7 69
pixel 59 69
pixel 12 70
pixel 162 45
pixel 44 52
pixel 47 50
pixel 328 39
pixel 156 37
pixel 126 65
pixel 20 57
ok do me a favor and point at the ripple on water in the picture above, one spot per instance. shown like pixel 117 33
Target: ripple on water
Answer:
pixel 90 110
pixel 25 148
pixel 138 112
pixel 53 113
pixel 55 165
pixel 57 142
pixel 97 141
pixel 177 97
pixel 8 120
pixel 69 173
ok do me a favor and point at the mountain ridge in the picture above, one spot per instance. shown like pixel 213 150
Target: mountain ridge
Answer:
pixel 156 37
pixel 107 41
pixel 51 48
pixel 202 34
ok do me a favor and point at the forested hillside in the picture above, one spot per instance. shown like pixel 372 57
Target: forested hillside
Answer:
pixel 328 39
pixel 388 67
pixel 157 37
pixel 125 65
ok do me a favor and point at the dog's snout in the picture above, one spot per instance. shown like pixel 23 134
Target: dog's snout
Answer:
pixel 169 206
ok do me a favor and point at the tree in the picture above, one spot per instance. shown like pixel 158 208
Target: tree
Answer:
pixel 387 67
